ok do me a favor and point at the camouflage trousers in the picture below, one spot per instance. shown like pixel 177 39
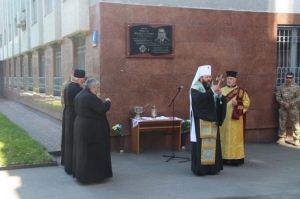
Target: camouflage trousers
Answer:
pixel 293 112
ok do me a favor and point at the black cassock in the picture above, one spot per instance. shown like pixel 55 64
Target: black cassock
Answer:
pixel 63 137
pixel 92 138
pixel 205 108
pixel 70 92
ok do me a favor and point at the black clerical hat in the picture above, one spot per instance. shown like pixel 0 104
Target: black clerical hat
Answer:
pixel 79 73
pixel 231 73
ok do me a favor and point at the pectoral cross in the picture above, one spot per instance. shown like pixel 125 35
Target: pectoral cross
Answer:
pixel 220 79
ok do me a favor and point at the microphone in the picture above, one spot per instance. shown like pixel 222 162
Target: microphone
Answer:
pixel 180 87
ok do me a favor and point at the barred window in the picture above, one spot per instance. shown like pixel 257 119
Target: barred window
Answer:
pixel 288 53
pixel 22 75
pixel 57 70
pixel 30 76
pixel 80 46
pixel 42 74
pixel 15 74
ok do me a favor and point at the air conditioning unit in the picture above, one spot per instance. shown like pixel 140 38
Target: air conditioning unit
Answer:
pixel 20 20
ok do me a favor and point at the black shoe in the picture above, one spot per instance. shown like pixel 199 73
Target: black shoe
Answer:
pixel 235 163
pixel 225 161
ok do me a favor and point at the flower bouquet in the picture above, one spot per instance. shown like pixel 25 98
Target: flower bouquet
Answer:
pixel 184 132
pixel 186 126
pixel 118 130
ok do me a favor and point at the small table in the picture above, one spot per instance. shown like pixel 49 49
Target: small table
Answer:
pixel 158 124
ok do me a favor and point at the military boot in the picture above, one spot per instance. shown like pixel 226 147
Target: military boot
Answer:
pixel 280 141
pixel 296 143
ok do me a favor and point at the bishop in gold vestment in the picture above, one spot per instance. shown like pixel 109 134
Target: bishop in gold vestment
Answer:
pixel 233 127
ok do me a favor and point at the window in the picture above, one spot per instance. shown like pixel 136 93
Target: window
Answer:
pixel 30 74
pixel 1 40
pixel 42 74
pixel 34 11
pixel 57 71
pixel 81 57
pixel 23 5
pixel 4 75
pixel 9 75
pixel 10 32
pixel 4 37
pixel 288 53
pixel 22 74
pixel 15 74
pixel 80 50
pixel 48 6
pixel 16 29
pixel 81 53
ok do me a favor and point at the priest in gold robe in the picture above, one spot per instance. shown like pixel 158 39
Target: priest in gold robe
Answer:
pixel 232 131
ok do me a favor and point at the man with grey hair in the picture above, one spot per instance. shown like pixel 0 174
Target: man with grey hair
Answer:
pixel 71 91
pixel 91 136
pixel 62 100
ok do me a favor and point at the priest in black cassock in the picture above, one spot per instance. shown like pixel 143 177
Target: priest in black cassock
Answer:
pixel 73 88
pixel 207 112
pixel 62 94
pixel 92 135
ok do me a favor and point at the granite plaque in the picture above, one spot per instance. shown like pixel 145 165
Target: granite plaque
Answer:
pixel 150 41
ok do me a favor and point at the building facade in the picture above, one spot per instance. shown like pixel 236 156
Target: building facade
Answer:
pixel 41 40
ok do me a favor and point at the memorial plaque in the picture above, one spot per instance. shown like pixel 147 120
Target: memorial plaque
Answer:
pixel 155 40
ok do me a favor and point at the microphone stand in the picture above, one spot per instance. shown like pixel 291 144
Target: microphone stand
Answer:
pixel 173 154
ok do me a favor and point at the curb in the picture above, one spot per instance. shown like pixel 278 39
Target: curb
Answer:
pixel 25 166
pixel 55 153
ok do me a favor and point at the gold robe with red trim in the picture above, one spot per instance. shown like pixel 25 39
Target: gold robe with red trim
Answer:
pixel 231 131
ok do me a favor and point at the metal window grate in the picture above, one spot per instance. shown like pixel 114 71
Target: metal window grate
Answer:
pixel 9 82
pixel 79 41
pixel 42 84
pixel 81 57
pixel 58 64
pixel 56 86
pixel 22 83
pixel 30 83
pixel 288 48
pixel 57 69
pixel 15 82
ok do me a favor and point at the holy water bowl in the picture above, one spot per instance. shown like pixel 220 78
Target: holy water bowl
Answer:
pixel 138 110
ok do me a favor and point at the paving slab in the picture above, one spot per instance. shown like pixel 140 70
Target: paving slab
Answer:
pixel 270 171
pixel 40 126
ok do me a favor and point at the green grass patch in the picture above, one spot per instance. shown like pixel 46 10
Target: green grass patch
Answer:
pixel 17 147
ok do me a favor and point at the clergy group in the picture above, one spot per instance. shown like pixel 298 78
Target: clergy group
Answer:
pixel 85 143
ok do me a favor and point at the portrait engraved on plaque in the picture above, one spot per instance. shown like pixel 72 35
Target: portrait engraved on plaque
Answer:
pixel 154 41
pixel 161 37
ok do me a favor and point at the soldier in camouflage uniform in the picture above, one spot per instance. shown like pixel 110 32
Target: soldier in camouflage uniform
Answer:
pixel 63 86
pixel 288 96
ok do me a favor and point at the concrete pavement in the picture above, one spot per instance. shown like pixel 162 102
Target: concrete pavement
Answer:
pixel 270 171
